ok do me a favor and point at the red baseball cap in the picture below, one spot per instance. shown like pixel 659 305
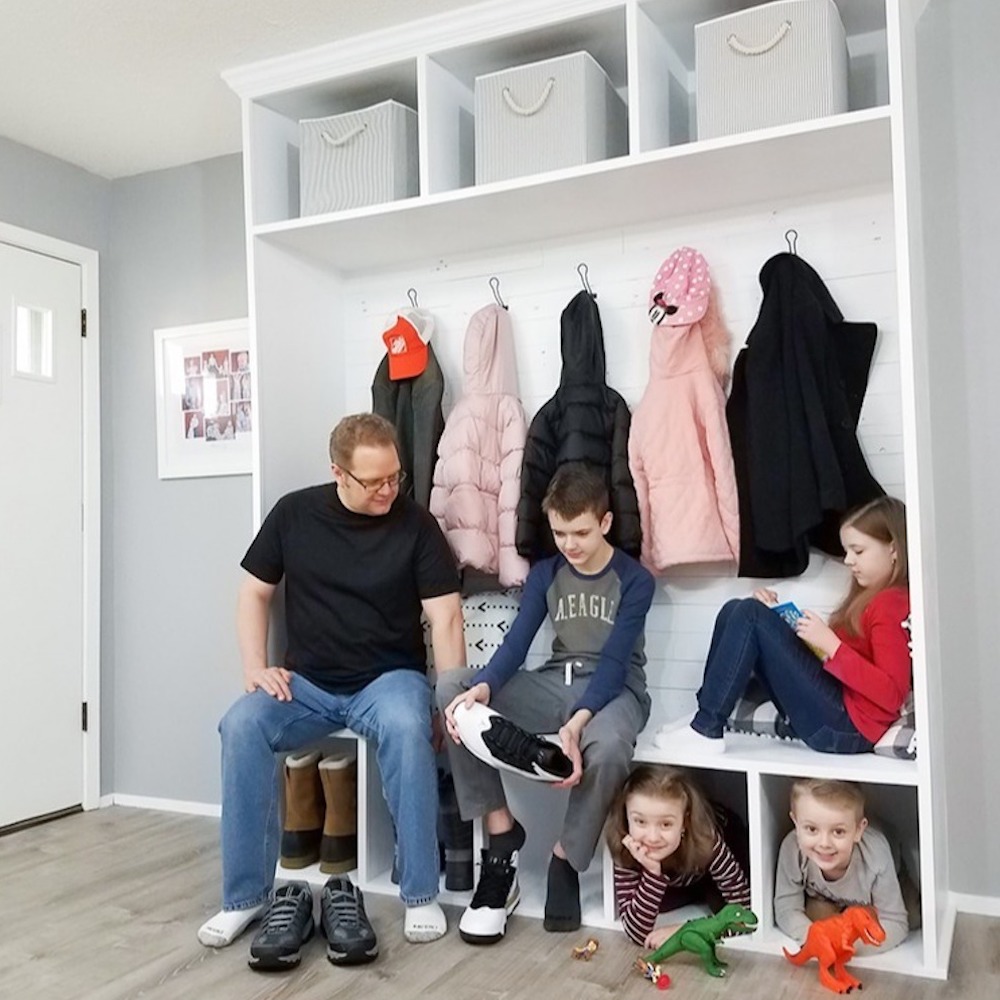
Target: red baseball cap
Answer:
pixel 407 349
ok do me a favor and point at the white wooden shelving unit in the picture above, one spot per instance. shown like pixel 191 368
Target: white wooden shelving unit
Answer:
pixel 320 287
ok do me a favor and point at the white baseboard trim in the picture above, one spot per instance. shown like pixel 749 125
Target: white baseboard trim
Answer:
pixel 164 805
pixel 979 906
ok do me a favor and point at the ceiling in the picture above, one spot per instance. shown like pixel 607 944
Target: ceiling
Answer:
pixel 121 87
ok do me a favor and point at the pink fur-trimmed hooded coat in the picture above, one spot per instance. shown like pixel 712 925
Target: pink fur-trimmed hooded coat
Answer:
pixel 477 479
pixel 679 449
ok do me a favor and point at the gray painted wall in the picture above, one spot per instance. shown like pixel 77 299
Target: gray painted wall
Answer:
pixel 960 149
pixel 177 257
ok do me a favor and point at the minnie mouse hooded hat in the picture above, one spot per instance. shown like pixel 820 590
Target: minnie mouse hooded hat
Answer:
pixel 406 342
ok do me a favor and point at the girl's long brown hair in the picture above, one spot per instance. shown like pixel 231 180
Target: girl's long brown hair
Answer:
pixel 660 781
pixel 884 520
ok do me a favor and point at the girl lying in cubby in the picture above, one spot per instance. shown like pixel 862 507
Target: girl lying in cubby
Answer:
pixel 671 847
pixel 841 685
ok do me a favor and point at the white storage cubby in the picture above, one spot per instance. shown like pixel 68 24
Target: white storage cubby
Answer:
pixel 321 287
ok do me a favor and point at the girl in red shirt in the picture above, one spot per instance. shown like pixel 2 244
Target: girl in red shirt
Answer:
pixel 840 684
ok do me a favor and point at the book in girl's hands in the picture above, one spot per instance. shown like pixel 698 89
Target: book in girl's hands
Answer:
pixel 790 613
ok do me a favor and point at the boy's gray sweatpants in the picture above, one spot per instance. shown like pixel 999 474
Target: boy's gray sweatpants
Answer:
pixel 541 702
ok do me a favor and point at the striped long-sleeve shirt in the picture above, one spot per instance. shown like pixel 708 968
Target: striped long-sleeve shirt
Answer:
pixel 639 893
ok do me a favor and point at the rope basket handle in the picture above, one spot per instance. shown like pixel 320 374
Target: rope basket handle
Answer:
pixel 346 137
pixel 531 109
pixel 758 50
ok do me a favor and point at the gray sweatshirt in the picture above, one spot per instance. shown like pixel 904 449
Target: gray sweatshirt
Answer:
pixel 870 880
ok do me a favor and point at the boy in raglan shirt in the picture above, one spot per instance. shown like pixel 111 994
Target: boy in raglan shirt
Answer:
pixel 592 690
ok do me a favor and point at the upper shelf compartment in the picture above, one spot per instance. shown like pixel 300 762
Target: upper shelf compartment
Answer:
pixel 663 52
pixel 847 152
pixel 450 99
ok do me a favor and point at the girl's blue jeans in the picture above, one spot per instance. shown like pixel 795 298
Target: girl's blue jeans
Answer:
pixel 393 711
pixel 750 640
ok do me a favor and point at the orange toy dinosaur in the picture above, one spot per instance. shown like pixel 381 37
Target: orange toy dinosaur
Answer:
pixel 831 942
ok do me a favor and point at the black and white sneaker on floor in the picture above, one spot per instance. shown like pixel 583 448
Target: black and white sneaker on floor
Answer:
pixel 285 927
pixel 500 743
pixel 495 898
pixel 350 937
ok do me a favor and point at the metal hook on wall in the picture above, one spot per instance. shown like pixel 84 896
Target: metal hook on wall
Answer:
pixel 495 286
pixel 792 238
pixel 411 294
pixel 583 271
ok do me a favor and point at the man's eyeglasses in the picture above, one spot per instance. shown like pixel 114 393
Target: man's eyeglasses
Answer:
pixel 373 486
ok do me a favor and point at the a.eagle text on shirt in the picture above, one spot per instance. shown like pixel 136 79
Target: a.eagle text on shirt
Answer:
pixel 596 606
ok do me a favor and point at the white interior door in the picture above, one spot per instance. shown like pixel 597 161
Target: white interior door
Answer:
pixel 41 535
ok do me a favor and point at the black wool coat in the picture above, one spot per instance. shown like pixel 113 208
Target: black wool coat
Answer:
pixel 798 386
pixel 413 407
pixel 585 421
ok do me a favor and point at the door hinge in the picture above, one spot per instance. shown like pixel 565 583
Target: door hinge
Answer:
pixel 83 322
pixel 83 716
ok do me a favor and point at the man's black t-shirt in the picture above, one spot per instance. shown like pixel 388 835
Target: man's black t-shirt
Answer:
pixel 353 584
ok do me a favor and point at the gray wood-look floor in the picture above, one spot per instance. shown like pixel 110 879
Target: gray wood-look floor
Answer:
pixel 105 906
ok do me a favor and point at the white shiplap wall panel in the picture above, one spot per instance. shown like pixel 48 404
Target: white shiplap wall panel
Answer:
pixel 848 241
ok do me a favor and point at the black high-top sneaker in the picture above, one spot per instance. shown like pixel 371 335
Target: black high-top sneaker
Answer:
pixel 496 897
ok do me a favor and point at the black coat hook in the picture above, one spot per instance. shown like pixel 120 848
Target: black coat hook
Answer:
pixel 411 294
pixel 583 271
pixel 792 238
pixel 495 285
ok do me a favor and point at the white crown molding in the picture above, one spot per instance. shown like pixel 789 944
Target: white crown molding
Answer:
pixel 436 33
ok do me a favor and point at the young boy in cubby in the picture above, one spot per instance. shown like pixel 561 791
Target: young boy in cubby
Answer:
pixel 834 859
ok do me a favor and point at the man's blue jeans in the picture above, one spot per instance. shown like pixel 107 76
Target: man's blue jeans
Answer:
pixel 393 711
pixel 751 640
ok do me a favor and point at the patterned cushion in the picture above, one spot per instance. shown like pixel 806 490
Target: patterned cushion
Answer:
pixel 755 713
pixel 900 739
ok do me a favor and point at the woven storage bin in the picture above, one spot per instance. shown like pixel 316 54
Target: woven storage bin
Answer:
pixel 556 113
pixel 358 158
pixel 770 65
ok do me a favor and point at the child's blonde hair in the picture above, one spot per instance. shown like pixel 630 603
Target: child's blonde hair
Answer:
pixel 660 781
pixel 842 794
pixel 883 519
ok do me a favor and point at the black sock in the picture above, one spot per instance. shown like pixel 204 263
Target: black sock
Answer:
pixel 562 899
pixel 503 845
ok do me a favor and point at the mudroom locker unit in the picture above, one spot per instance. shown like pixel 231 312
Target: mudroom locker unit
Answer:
pixel 322 286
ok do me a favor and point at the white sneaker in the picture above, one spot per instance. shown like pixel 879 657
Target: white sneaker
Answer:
pixel 680 738
pixel 497 895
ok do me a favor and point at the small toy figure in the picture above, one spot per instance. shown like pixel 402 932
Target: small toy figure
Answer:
pixel 653 973
pixel 701 935
pixel 586 951
pixel 831 942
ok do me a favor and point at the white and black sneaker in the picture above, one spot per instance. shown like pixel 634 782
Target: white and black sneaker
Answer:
pixel 502 744
pixel 495 898
pixel 285 927
pixel 350 937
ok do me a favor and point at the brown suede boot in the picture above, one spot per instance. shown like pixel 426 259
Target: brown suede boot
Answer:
pixel 300 838
pixel 339 847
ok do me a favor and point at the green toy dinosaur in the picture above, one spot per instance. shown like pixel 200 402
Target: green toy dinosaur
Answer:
pixel 700 936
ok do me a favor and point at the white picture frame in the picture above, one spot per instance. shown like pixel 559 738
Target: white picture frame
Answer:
pixel 205 399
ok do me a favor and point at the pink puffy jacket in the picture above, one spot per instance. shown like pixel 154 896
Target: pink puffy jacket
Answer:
pixel 679 450
pixel 477 479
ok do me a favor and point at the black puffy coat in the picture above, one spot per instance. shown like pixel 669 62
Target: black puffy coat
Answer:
pixel 798 386
pixel 585 421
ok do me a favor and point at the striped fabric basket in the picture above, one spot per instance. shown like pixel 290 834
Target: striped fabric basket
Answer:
pixel 556 113
pixel 359 158
pixel 770 65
